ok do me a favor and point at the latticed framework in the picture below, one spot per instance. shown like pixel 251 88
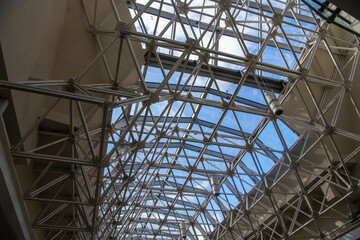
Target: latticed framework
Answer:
pixel 131 156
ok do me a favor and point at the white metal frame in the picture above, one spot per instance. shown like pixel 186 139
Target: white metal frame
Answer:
pixel 125 175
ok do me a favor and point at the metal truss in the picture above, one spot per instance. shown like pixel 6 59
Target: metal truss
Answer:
pixel 135 161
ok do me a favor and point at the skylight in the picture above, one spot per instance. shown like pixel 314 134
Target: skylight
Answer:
pixel 218 119
pixel 208 117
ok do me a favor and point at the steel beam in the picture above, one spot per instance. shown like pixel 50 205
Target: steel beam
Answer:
pixel 220 73
pixel 228 32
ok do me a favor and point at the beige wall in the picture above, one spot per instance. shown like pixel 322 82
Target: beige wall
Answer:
pixel 29 36
pixel 29 33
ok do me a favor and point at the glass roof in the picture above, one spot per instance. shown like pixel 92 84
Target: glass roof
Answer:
pixel 210 65
pixel 218 119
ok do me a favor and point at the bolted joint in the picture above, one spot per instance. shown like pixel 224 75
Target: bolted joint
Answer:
pixel 252 61
pixel 71 87
pixel 131 178
pixel 246 212
pixel 125 177
pixel 140 145
pixel 277 19
pixel 134 143
pixel 191 168
pixel 304 72
pixel 109 127
pixel 328 130
pixel 150 164
pixel 347 84
pixel 94 29
pixel 225 4
pixel 249 147
pixel 159 134
pixel 229 172
pixel 192 223
pixel 122 28
pixel 176 95
pixel 204 56
pixel 176 129
pixel 225 104
pixel 201 209
pixel 294 165
pixel 153 98
pixel 267 191
pixel 182 7
pixel 192 43
pixel 314 215
pixel 115 86
pixel 331 168
pixel 322 33
pixel 72 138
pixel 291 4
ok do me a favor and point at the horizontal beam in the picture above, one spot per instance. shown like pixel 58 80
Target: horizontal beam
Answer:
pixel 228 32
pixel 53 200
pixel 164 184
pixel 201 172
pixel 51 92
pixel 59 159
pixel 266 8
pixel 251 173
pixel 62 228
pixel 211 91
pixel 210 125
pixel 220 73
